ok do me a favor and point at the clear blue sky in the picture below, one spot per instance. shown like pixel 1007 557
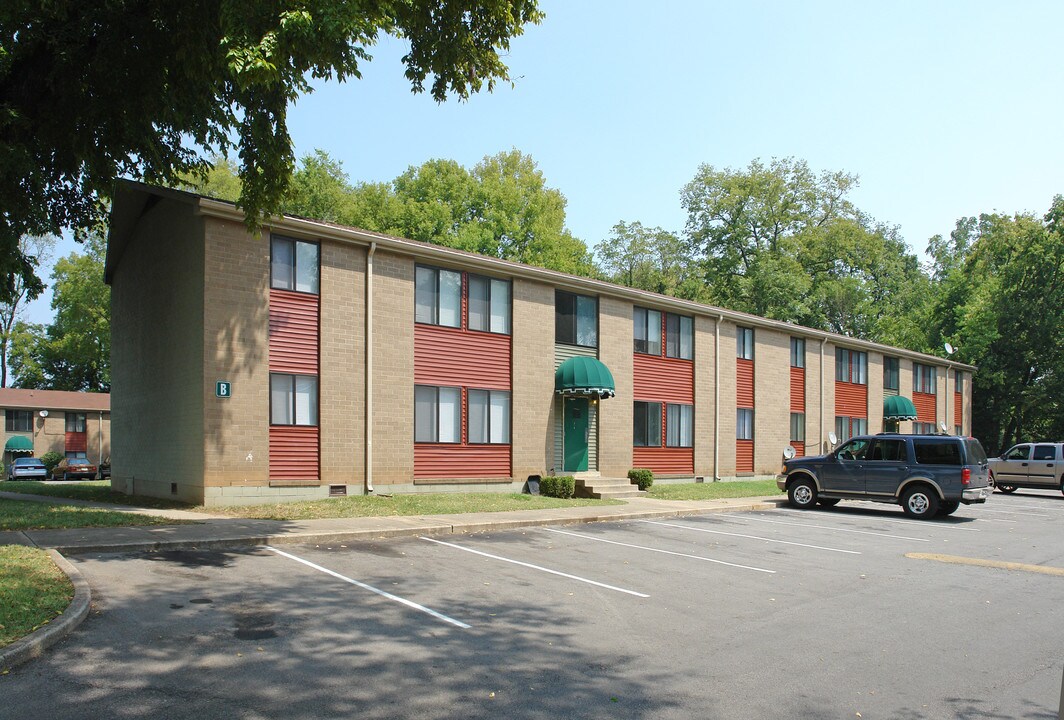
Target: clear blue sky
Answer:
pixel 944 109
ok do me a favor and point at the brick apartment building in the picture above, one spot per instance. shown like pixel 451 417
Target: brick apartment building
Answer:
pixel 72 424
pixel 316 359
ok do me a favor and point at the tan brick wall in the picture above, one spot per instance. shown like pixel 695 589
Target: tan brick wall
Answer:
pixel 966 402
pixel 705 385
pixel 49 433
pixel 98 436
pixel 393 369
pixel 615 419
pixel 342 365
pixel 236 349
pixel 905 389
pixel 157 350
pixel 532 378
pixel 827 379
pixel 943 402
pixel 813 431
pixel 772 399
pixel 726 449
pixel 948 394
pixel 875 392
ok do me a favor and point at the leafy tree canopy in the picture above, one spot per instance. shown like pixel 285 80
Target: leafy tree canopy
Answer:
pixel 92 91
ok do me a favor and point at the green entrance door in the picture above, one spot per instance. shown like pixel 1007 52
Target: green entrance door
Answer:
pixel 575 437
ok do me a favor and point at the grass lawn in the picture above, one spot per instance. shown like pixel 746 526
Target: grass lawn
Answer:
pixel 26 515
pixel 419 504
pixel 33 591
pixel 714 490
pixel 94 490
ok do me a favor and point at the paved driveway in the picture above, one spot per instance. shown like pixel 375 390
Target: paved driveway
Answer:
pixel 854 612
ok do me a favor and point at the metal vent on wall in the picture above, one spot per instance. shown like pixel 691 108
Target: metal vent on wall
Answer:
pixel 337 490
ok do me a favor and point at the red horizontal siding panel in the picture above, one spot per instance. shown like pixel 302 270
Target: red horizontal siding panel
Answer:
pixel 851 400
pixel 799 448
pixel 665 460
pixel 76 442
pixel 744 383
pixel 958 408
pixel 744 456
pixel 464 358
pixel 447 461
pixel 925 407
pixel 663 379
pixel 293 332
pixel 797 390
pixel 293 452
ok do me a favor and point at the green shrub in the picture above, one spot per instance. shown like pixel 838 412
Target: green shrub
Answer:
pixel 559 487
pixel 51 459
pixel 643 477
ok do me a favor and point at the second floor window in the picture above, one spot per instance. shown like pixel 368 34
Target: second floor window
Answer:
pixel 575 319
pixel 75 422
pixel 489 304
pixel 294 265
pixel 958 381
pixel 744 343
pixel 437 296
pixel 19 421
pixel 923 378
pixel 890 373
pixel 679 336
pixel 797 352
pixel 851 366
pixel 647 331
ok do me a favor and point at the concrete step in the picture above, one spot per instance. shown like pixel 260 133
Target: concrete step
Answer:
pixel 599 488
pixel 599 494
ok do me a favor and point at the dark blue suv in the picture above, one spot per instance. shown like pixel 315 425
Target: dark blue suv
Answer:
pixel 927 475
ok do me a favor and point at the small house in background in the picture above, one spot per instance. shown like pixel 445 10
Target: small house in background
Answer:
pixel 73 424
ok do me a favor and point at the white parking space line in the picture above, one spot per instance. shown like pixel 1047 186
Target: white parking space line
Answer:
pixel 1015 512
pixel 833 529
pixel 878 518
pixel 1055 507
pixel 535 567
pixel 664 552
pixel 378 591
pixel 750 537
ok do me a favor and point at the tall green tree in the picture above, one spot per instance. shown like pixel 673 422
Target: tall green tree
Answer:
pixel 651 259
pixel 999 299
pixel 784 242
pixel 92 91
pixel 73 352
pixel 37 250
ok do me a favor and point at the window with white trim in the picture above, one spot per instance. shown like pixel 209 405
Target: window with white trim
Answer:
pixel 797 427
pixel 294 265
pixel 924 378
pixel 575 319
pixel 851 366
pixel 679 336
pixel 646 330
pixel 75 422
pixel 489 416
pixel 293 399
pixel 437 414
pixel 489 304
pixel 744 343
pixel 679 425
pixel 744 424
pixel 437 296
pixel 797 352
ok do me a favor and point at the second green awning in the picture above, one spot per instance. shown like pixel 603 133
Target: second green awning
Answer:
pixel 19 444
pixel 896 407
pixel 584 376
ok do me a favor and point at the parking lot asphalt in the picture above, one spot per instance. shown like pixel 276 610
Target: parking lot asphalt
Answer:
pixel 852 612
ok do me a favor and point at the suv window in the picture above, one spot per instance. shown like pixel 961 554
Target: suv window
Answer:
pixel 1045 452
pixel 1020 452
pixel 937 452
pixel 976 454
pixel 889 451
pixel 856 449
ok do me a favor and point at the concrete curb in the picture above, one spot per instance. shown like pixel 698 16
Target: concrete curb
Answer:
pixel 34 644
pixel 429 527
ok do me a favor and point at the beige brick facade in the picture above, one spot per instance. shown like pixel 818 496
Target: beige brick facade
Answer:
pixel 615 414
pixel 190 307
pixel 532 379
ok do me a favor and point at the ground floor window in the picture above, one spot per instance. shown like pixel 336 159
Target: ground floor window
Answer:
pixel 797 427
pixel 848 427
pixel 958 430
pixel 679 425
pixel 437 414
pixel 489 416
pixel 647 424
pixel 744 424
pixel 923 428
pixel 293 399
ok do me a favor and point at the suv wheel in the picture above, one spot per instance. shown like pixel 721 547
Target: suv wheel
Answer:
pixel 920 502
pixel 802 493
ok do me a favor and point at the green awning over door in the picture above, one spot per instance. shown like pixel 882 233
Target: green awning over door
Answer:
pixel 19 444
pixel 896 407
pixel 584 376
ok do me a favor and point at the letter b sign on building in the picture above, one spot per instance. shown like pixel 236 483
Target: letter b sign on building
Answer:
pixel 223 389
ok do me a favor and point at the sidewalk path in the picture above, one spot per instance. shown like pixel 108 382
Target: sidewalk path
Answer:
pixel 215 533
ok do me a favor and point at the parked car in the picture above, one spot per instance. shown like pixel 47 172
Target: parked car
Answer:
pixel 27 469
pixel 1029 465
pixel 72 468
pixel 927 475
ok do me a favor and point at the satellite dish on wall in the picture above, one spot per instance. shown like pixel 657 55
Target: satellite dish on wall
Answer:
pixel 832 437
pixel 942 425
pixel 43 413
pixel 949 349
pixel 788 452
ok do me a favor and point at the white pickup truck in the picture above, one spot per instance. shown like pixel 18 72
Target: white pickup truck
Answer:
pixel 1029 465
